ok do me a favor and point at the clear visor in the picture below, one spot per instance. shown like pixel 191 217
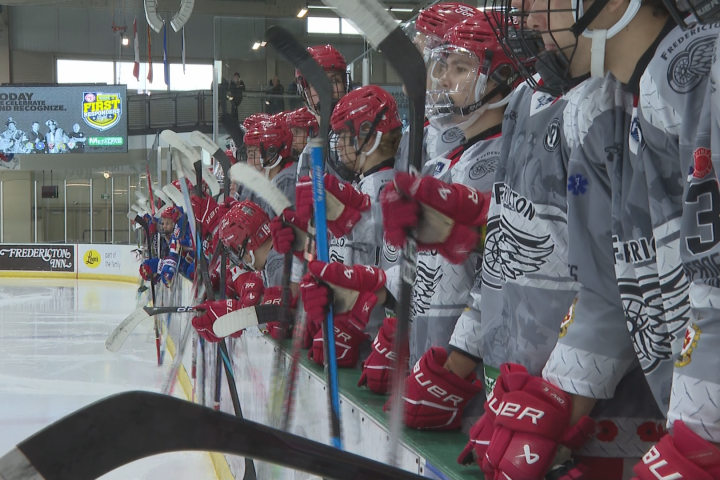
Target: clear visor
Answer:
pixel 424 42
pixel 457 80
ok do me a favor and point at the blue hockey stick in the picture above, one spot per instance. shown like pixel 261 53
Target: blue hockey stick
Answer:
pixel 323 254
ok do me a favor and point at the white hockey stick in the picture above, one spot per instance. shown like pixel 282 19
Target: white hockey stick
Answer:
pixel 173 194
pixel 118 336
pixel 188 158
pixel 254 181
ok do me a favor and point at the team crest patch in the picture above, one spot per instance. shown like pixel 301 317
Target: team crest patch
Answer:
pixel 702 163
pixel 452 135
pixel 102 111
pixel 552 135
pixel 482 168
pixel 688 69
pixel 569 318
pixel 692 337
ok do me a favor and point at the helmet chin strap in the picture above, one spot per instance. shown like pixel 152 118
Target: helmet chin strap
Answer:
pixel 251 263
pixel 599 36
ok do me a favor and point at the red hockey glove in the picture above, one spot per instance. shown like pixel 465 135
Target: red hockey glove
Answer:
pixel 318 296
pixel 532 420
pixel 682 455
pixel 353 291
pixel 288 232
pixel 304 199
pixel 481 432
pixel 378 367
pixel 450 215
pixel 400 214
pixel 251 288
pixel 211 311
pixel 273 296
pixel 344 206
pixel 348 339
pixel 435 397
pixel 207 212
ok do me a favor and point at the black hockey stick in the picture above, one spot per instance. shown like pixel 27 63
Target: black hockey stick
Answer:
pixel 152 311
pixel 384 34
pixel 141 221
pixel 298 56
pixel 133 425
pixel 223 356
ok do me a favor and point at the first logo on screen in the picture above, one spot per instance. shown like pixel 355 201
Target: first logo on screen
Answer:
pixel 102 111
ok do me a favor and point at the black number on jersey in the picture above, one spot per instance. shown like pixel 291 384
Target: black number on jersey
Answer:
pixel 708 217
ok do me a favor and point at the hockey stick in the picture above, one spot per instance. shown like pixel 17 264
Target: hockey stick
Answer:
pixel 165 199
pixel 148 238
pixel 133 425
pixel 217 153
pixel 384 34
pixel 289 48
pixel 152 311
pixel 173 194
pixel 250 178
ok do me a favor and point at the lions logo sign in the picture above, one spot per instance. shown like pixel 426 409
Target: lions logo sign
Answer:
pixel 102 111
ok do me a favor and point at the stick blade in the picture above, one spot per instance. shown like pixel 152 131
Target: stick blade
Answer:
pixel 118 336
pixel 254 181
pixel 369 16
pixel 247 317
pixel 173 194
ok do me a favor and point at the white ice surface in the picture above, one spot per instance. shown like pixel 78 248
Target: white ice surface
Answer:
pixel 53 361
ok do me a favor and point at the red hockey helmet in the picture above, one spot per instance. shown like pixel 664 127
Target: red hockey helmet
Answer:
pixel 243 229
pixel 280 117
pixel 455 97
pixel 273 138
pixel 435 21
pixel 253 119
pixel 302 118
pixel 331 60
pixel 174 213
pixel 363 112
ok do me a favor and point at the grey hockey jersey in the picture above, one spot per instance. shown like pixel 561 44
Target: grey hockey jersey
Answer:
pixel 364 244
pixel 442 291
pixel 696 382
pixel 527 286
pixel 435 143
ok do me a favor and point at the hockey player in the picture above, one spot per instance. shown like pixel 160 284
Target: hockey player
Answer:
pixel 428 31
pixel 245 233
pixel 332 61
pixel 690 450
pixel 181 253
pixel 473 80
pixel 611 171
pixel 303 126
pixel 368 129
pixel 269 150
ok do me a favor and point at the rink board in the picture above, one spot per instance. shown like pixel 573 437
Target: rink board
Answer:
pixel 118 263
pixel 365 425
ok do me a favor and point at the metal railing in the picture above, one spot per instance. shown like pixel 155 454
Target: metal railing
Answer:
pixel 193 110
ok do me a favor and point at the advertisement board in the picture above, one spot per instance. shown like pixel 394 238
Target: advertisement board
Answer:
pixel 115 260
pixel 63 119
pixel 37 258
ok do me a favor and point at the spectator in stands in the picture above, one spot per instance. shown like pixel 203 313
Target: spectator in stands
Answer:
pixel 277 104
pixel 235 94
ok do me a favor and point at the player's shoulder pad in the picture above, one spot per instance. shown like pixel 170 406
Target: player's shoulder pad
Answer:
pixel 673 84
pixel 586 102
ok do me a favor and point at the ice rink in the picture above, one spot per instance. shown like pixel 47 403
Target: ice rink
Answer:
pixel 53 361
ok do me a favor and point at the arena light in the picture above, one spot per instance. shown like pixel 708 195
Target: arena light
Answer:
pixel 125 41
pixel 256 45
pixel 302 12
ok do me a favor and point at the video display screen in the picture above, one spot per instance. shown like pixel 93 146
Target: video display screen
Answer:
pixel 63 119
